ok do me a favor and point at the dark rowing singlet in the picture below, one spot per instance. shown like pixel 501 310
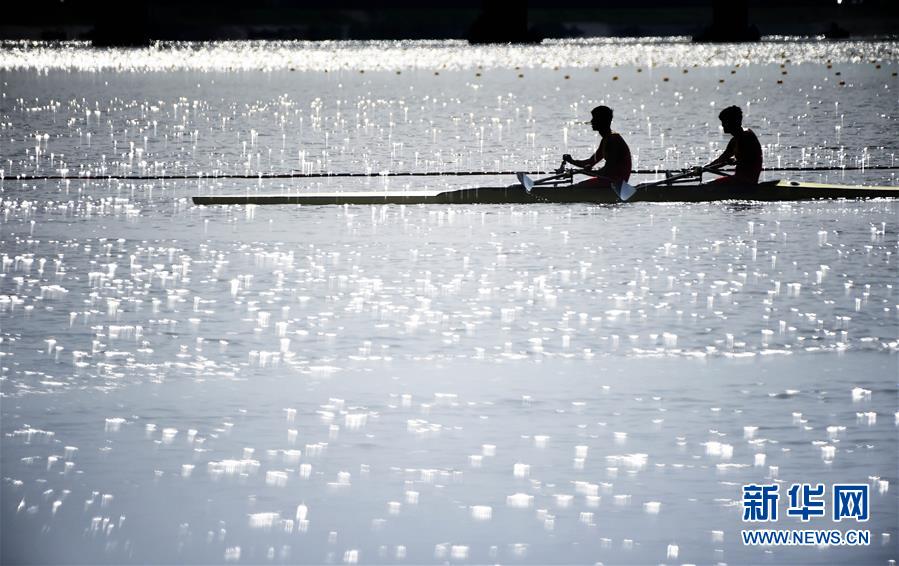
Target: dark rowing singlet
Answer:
pixel 614 150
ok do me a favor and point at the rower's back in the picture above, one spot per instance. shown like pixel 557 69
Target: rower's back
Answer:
pixel 748 156
pixel 617 155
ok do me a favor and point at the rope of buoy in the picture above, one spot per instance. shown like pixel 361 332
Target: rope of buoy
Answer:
pixel 383 174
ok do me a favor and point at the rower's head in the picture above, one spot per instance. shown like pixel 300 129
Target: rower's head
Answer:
pixel 602 119
pixel 731 120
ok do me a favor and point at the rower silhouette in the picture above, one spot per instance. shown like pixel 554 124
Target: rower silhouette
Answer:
pixel 743 150
pixel 612 149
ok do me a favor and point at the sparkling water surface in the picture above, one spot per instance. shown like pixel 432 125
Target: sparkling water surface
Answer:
pixel 420 384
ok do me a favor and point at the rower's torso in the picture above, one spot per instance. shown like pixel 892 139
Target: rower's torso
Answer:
pixel 617 157
pixel 748 154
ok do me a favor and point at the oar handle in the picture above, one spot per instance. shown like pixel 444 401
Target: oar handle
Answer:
pixel 552 177
pixel 717 171
pixel 587 172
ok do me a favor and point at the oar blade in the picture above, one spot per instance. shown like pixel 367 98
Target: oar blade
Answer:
pixel 525 181
pixel 624 191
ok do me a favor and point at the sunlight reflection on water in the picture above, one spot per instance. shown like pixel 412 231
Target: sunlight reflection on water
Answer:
pixel 424 384
pixel 444 54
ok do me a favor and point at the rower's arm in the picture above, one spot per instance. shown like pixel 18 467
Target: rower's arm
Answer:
pixel 727 157
pixel 585 163
pixel 579 163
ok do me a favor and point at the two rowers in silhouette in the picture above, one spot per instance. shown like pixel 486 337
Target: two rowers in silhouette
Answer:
pixel 743 151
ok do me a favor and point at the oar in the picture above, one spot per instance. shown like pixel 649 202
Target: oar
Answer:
pixel 525 181
pixel 717 171
pixel 623 190
pixel 626 191
pixel 529 183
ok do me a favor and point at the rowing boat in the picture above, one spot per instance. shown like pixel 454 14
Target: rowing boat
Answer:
pixel 516 194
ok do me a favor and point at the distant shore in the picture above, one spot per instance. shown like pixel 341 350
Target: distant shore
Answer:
pixel 200 21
